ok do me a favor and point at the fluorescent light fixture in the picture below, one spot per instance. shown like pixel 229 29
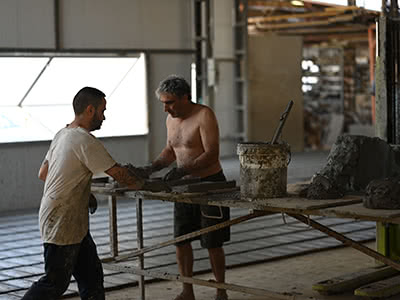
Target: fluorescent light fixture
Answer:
pixel 297 3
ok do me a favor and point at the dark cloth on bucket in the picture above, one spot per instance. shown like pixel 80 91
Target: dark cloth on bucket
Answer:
pixel 193 217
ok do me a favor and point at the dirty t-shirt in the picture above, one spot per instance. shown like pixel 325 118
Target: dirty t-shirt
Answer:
pixel 74 156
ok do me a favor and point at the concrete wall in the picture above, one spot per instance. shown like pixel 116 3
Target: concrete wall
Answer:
pixel 161 28
pixel 223 52
pixel 274 68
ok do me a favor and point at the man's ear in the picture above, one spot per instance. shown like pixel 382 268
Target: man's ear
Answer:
pixel 90 110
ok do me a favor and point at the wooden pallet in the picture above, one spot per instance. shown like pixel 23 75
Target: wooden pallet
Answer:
pixel 380 289
pixel 349 282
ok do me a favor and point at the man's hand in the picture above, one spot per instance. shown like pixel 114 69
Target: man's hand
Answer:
pixel 174 174
pixel 144 172
pixel 92 204
pixel 125 177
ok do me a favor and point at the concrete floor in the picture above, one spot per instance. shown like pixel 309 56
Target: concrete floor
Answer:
pixel 294 275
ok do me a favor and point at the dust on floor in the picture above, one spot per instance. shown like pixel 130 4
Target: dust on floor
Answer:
pixel 292 275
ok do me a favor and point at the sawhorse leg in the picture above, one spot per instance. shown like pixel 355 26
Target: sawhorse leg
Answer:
pixel 139 232
pixel 112 215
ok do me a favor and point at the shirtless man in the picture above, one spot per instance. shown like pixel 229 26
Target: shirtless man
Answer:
pixel 193 142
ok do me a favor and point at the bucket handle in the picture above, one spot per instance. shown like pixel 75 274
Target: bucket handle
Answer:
pixel 289 158
pixel 221 215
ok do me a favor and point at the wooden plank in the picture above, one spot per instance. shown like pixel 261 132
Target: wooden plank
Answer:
pixel 113 228
pixel 140 243
pixel 346 207
pixel 317 14
pixel 347 241
pixel 358 211
pixel 233 199
pixel 380 289
pixel 205 186
pixel 327 30
pixel 233 287
pixel 300 204
pixel 332 20
pixel 187 236
pixel 348 282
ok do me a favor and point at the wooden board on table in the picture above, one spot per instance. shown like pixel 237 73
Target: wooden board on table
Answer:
pixel 348 282
pixel 232 198
pixel 298 204
pixel 358 211
pixel 380 289
pixel 204 186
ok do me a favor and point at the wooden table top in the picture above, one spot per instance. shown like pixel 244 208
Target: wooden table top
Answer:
pixel 350 206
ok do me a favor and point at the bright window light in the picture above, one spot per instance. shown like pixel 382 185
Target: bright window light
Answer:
pixel 48 88
pixel 335 2
pixel 314 69
pixel 193 82
pixel 17 74
pixel 370 4
pixel 309 79
pixel 367 4
pixel 16 125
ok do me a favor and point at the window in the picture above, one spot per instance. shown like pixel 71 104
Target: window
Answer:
pixel 367 4
pixel 38 91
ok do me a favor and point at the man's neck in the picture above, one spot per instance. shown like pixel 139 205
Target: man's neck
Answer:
pixel 78 122
pixel 189 110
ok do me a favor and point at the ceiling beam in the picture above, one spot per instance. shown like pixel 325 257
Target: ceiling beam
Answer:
pixel 319 14
pixel 356 28
pixel 328 21
pixel 339 37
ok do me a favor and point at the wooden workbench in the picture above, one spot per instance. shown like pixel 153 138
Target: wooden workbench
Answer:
pixel 297 207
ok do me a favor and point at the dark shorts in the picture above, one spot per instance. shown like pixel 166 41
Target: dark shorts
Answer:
pixel 193 217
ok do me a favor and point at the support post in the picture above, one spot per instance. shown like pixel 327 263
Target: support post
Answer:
pixel 112 207
pixel 139 232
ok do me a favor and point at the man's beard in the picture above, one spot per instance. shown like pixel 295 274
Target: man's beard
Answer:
pixel 95 124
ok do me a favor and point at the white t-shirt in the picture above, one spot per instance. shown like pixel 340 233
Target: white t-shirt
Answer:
pixel 74 156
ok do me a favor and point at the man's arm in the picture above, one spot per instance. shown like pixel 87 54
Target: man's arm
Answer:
pixel 44 168
pixel 166 157
pixel 125 177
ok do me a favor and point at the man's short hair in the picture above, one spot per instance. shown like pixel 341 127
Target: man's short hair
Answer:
pixel 85 97
pixel 174 85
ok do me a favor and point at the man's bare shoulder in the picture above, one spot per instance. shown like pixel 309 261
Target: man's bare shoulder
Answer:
pixel 204 110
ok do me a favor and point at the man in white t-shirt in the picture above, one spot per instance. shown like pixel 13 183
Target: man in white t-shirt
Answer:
pixel 73 157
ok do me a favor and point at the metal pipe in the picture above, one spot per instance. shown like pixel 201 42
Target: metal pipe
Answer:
pixel 90 52
pixel 384 10
pixel 198 45
pixel 57 24
pixel 34 82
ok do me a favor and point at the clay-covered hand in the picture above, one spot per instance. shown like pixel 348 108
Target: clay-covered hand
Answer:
pixel 174 174
pixel 142 172
pixel 92 204
pixel 145 171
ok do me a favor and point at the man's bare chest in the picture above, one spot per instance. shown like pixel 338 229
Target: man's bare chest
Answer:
pixel 183 135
